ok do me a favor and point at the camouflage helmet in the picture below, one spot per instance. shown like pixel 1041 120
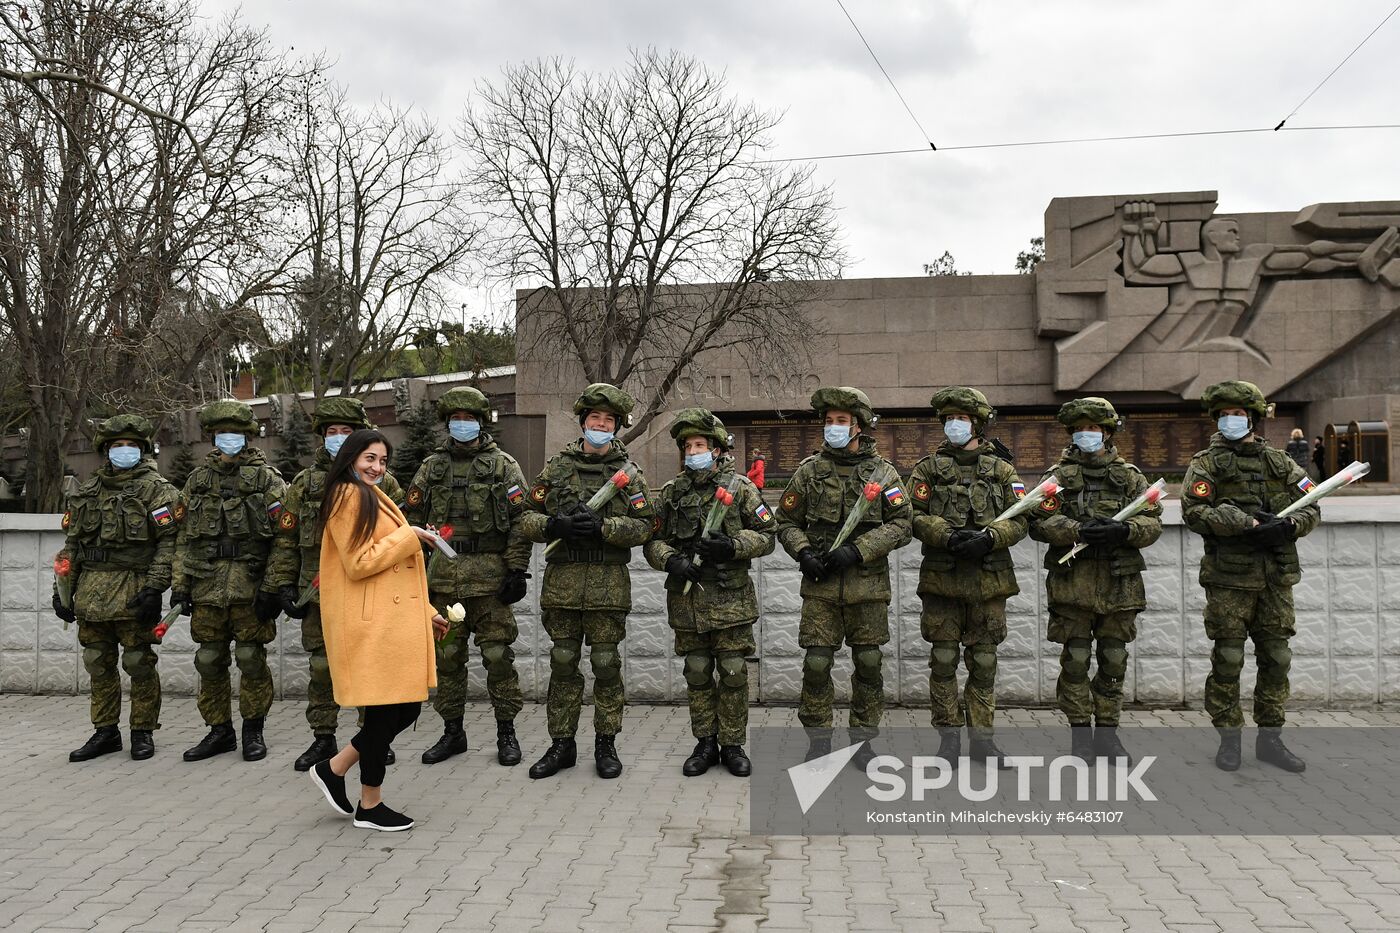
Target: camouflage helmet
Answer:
pixel 339 410
pixel 1091 409
pixel 228 414
pixel 1235 393
pixel 600 396
pixel 844 398
pixel 125 428
pixel 464 398
pixel 700 422
pixel 961 400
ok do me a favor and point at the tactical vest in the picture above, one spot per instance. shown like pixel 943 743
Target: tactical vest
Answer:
pixel 966 496
pixel 1251 482
pixel 469 493
pixel 113 524
pixel 229 516
pixel 689 498
pixel 832 489
pixel 573 481
pixel 1098 491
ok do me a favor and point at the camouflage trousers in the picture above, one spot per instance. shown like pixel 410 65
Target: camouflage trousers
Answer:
pixel 718 706
pixel 493 625
pixel 138 658
pixel 1266 618
pixel 322 712
pixel 213 627
pixel 864 627
pixel 976 628
pixel 602 630
pixel 1101 699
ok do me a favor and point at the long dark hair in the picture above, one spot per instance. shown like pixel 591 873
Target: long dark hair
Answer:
pixel 341 483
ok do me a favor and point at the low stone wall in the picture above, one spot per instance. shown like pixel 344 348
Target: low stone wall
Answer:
pixel 1347 650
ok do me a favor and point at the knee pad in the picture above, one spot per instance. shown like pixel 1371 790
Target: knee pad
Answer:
pixel 496 654
pixel 93 660
pixel 138 662
pixel 211 661
pixel 251 659
pixel 451 655
pixel 320 666
pixel 733 671
pixel 1113 658
pixel 982 666
pixel 1227 658
pixel 943 660
pixel 867 660
pixel 816 666
pixel 1074 660
pixel 606 663
pixel 699 669
pixel 563 657
pixel 1274 655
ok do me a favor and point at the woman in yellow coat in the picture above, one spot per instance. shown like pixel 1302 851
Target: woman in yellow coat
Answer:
pixel 379 625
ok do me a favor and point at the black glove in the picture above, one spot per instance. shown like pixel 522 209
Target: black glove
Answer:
pixel 557 527
pixel 959 538
pixel 716 547
pixel 812 567
pixel 679 570
pixel 67 615
pixel 289 596
pixel 146 602
pixel 1271 531
pixel 587 524
pixel 847 555
pixel 1103 531
pixel 512 587
pixel 979 544
pixel 181 598
pixel 267 606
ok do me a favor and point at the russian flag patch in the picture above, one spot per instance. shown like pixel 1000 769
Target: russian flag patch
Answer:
pixel 275 509
pixel 895 495
pixel 515 494
pixel 162 516
pixel 638 499
pixel 1019 489
pixel 762 512
pixel 1305 483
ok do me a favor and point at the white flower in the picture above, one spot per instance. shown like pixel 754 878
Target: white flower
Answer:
pixel 456 613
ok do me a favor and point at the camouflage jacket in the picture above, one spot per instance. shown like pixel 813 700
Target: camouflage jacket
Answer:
pixel 1225 485
pixel 1098 485
pixel 725 595
pixel 296 550
pixel 120 532
pixel 953 488
pixel 229 515
pixel 479 491
pixel 815 504
pixel 589 575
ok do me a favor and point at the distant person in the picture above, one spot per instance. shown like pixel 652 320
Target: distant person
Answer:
pixel 756 471
pixel 1297 448
pixel 1319 456
pixel 1343 453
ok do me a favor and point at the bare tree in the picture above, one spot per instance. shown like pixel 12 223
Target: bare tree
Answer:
pixel 615 196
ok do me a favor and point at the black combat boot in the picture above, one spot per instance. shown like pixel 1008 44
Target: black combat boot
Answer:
pixel 104 741
pixel 1228 756
pixel 950 745
pixel 705 756
pixel 143 746
pixel 605 760
pixel 562 753
pixel 219 740
pixel 818 743
pixel 453 742
pixel 735 760
pixel 1108 745
pixel 507 746
pixel 1269 747
pixel 254 748
pixel 1081 741
pixel 985 749
pixel 322 748
pixel 866 752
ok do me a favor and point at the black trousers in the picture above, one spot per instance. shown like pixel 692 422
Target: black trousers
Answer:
pixel 381 724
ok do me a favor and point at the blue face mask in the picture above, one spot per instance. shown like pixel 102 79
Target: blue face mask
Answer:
pixel 363 480
pixel 837 436
pixel 463 431
pixel 957 432
pixel 229 443
pixel 1091 442
pixel 598 438
pixel 124 458
pixel 1234 427
pixel 334 442
pixel 700 461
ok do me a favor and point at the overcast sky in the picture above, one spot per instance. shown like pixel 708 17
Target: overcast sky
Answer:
pixel 973 72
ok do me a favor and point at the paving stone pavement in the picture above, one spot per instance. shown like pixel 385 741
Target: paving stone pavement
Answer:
pixel 224 844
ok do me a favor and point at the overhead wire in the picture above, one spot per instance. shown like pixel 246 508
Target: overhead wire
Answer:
pixel 907 109
pixel 1338 68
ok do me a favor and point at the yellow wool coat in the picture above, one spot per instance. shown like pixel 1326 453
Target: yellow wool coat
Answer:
pixel 375 611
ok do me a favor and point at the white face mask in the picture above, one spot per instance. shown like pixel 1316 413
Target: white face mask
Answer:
pixel 334 442
pixel 701 461
pixel 1091 442
pixel 837 436
pixel 957 432
pixel 598 438
pixel 464 431
pixel 230 444
pixel 1234 427
pixel 124 458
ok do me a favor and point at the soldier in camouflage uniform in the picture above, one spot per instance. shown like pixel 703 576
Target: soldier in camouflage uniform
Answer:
pixel 1098 595
pixel 1231 495
pixel 966 574
pixel 231 510
pixel 845 591
pixel 476 488
pixel 120 528
pixel 296 559
pixel 587 589
pixel 714 621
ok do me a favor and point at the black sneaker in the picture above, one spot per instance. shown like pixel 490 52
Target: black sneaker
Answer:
pixel 382 819
pixel 332 785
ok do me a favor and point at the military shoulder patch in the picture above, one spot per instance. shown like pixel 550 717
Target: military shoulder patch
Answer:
pixel 539 492
pixel 514 494
pixel 179 511
pixel 275 508
pixel 894 495
pixel 67 519
pixel 1019 489
pixel 638 500
pixel 162 516
pixel 288 521
pixel 921 491
pixel 762 513
pixel 415 496
pixel 1050 504
pixel 1202 489
pixel 791 500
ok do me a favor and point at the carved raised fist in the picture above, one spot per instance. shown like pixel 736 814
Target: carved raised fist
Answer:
pixel 1140 217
